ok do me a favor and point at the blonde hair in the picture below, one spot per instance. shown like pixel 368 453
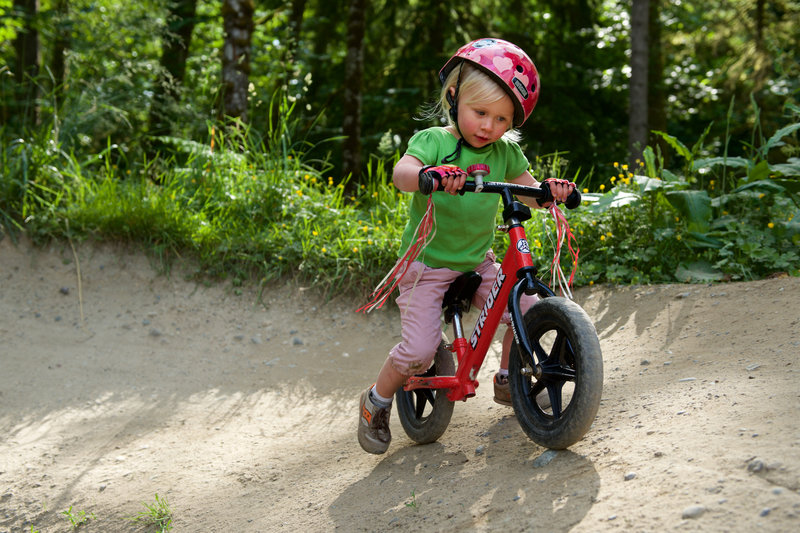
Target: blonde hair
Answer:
pixel 476 87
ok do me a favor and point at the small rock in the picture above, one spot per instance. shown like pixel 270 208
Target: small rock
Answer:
pixel 683 380
pixel 752 367
pixel 630 475
pixel 545 458
pixel 145 322
pixel 155 333
pixel 765 511
pixel 256 340
pixel 480 449
pixel 64 290
pixel 693 511
pixel 238 337
pixel 755 465
pixel 644 362
pixel 297 341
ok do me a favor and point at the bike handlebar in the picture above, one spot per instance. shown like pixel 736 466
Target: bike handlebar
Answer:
pixel 430 182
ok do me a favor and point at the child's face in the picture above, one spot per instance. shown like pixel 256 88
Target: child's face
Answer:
pixel 481 123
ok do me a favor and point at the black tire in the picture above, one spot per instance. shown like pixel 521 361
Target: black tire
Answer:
pixel 565 343
pixel 425 413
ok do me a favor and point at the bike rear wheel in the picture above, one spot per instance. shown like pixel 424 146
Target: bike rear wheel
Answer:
pixel 425 413
pixel 570 367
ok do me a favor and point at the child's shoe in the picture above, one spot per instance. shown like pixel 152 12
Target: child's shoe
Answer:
pixel 373 425
pixel 502 393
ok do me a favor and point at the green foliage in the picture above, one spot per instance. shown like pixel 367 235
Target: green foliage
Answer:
pixel 252 207
pixel 658 226
pixel 242 205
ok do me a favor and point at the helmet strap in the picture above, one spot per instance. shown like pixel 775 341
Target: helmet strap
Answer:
pixel 453 101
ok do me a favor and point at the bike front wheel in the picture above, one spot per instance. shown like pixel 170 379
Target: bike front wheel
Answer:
pixel 569 366
pixel 425 413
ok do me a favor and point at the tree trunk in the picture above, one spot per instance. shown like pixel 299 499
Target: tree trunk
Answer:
pixel 175 52
pixel 296 24
pixel 60 45
pixel 637 123
pixel 759 24
pixel 26 71
pixel 353 80
pixel 656 91
pixel 238 23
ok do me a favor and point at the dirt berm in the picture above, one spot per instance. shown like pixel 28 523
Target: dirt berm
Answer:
pixel 240 411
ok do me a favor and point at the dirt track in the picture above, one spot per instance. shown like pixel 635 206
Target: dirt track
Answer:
pixel 243 416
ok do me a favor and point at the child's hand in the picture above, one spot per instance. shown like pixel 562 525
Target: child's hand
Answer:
pixel 449 178
pixel 562 191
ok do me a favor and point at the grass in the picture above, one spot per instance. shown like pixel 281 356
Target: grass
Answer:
pixel 77 518
pixel 250 209
pixel 412 503
pixel 157 515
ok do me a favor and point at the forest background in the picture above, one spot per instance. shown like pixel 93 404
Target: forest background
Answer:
pixel 258 137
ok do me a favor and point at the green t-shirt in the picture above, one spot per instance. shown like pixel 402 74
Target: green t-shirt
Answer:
pixel 465 225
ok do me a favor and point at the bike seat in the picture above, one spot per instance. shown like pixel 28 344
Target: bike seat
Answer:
pixel 459 295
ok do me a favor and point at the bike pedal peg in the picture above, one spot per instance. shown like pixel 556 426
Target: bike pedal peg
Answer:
pixel 449 347
pixel 503 228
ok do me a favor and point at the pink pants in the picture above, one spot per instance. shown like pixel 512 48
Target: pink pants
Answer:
pixel 421 310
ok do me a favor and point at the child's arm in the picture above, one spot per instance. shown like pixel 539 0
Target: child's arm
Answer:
pixel 560 189
pixel 406 176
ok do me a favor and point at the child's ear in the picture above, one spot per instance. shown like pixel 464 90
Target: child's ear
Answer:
pixel 451 96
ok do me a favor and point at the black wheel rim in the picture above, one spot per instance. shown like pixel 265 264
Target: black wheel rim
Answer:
pixel 555 356
pixel 419 399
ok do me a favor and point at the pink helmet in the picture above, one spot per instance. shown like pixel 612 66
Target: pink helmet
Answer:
pixel 507 64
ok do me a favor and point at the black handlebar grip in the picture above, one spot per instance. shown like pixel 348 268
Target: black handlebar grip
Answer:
pixel 428 182
pixel 574 199
pixel 547 196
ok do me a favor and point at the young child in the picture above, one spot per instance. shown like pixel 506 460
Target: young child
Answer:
pixel 489 87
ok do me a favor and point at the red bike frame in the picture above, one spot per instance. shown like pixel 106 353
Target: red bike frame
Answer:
pixel 516 272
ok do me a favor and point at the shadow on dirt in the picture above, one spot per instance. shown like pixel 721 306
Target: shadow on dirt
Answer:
pixel 433 486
